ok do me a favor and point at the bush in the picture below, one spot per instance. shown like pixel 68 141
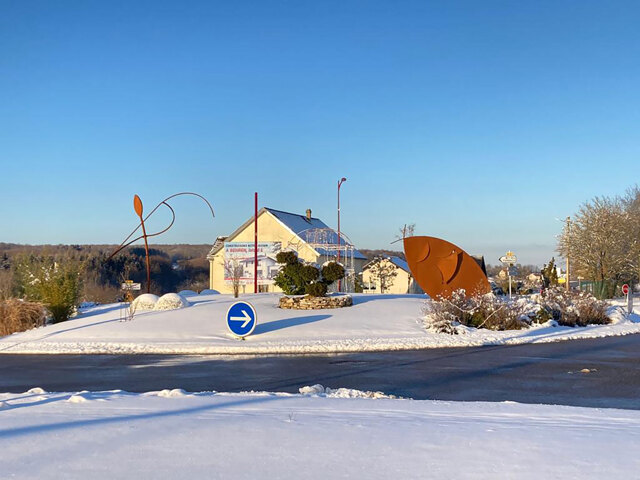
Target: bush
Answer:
pixel 332 272
pixel 54 284
pixel 317 289
pixel 18 316
pixel 287 258
pixel 573 309
pixel 444 315
pixel 297 278
pixel 478 311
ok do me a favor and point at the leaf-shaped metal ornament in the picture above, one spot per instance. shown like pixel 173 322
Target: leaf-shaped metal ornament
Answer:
pixel 137 205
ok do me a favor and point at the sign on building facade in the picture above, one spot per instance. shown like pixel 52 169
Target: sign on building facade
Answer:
pixel 239 259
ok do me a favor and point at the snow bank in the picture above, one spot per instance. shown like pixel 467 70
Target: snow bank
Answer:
pixel 207 291
pixel 320 391
pixel 274 435
pixel 187 293
pixel 373 323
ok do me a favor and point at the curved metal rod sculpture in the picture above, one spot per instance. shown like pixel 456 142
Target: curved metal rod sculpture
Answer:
pixel 137 206
pixel 440 267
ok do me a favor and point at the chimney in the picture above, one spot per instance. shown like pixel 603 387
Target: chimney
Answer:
pixel 308 214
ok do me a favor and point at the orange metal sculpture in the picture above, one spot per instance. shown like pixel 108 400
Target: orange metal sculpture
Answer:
pixel 440 267
pixel 137 206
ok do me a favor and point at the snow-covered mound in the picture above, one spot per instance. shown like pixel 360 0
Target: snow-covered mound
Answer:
pixel 209 292
pixel 318 390
pixel 146 301
pixel 187 293
pixel 171 301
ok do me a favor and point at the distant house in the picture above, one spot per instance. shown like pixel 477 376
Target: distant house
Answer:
pixel 309 237
pixel 534 278
pixel 401 282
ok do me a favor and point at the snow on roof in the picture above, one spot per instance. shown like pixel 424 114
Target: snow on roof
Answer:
pixel 303 226
pixel 298 224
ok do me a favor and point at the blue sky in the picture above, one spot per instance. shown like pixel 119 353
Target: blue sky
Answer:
pixel 481 122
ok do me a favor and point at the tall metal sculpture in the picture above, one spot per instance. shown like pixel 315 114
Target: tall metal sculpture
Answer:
pixel 137 206
pixel 440 267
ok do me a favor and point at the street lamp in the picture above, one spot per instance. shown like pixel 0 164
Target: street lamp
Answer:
pixel 343 179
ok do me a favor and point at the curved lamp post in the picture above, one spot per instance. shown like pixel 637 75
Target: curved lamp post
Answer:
pixel 137 206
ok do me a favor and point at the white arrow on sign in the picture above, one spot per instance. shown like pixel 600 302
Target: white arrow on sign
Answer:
pixel 246 318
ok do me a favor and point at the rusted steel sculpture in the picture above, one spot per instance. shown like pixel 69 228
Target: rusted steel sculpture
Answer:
pixel 137 206
pixel 440 267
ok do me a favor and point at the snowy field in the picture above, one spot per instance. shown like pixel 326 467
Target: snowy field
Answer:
pixel 374 323
pixel 171 434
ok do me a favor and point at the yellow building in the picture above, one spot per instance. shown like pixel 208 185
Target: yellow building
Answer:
pixel 232 257
pixel 391 274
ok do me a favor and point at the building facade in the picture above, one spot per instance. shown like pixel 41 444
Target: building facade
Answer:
pixel 232 258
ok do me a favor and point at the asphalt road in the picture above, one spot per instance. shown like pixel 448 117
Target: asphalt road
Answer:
pixel 552 373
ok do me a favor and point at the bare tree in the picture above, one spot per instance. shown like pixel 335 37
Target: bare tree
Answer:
pixel 382 272
pixel 596 243
pixel 406 231
pixel 631 203
pixel 234 270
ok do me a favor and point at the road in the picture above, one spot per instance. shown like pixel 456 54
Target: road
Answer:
pixel 595 373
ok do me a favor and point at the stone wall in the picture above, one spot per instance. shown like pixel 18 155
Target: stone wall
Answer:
pixel 315 303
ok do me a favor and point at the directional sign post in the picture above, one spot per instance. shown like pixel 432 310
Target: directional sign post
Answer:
pixel 241 319
pixel 509 260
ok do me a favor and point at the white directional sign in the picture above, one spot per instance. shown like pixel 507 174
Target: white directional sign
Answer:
pixel 130 286
pixel 241 319
pixel 509 258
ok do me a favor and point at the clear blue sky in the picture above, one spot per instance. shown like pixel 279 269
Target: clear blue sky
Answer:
pixel 482 122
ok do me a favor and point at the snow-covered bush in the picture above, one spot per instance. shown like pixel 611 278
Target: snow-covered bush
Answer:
pixel 445 315
pixel 573 308
pixel 171 301
pixel 146 301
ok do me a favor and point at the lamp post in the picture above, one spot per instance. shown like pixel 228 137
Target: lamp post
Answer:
pixel 340 182
pixel 568 243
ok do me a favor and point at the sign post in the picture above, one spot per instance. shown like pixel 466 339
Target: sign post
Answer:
pixel 509 259
pixel 241 319
pixel 627 291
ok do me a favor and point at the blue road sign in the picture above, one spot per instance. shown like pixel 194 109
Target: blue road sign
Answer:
pixel 241 319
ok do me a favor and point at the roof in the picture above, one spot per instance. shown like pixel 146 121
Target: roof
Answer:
pixel 397 261
pixel 301 226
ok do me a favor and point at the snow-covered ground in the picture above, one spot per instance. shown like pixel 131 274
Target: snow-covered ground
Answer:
pixel 374 323
pixel 172 434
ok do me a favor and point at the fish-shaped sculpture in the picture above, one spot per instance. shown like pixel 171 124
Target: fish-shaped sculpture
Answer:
pixel 440 267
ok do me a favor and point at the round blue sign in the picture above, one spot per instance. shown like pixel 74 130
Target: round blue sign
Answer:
pixel 241 319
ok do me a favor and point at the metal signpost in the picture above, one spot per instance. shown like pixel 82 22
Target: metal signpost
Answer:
pixel 627 291
pixel 127 313
pixel 241 319
pixel 129 285
pixel 510 259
